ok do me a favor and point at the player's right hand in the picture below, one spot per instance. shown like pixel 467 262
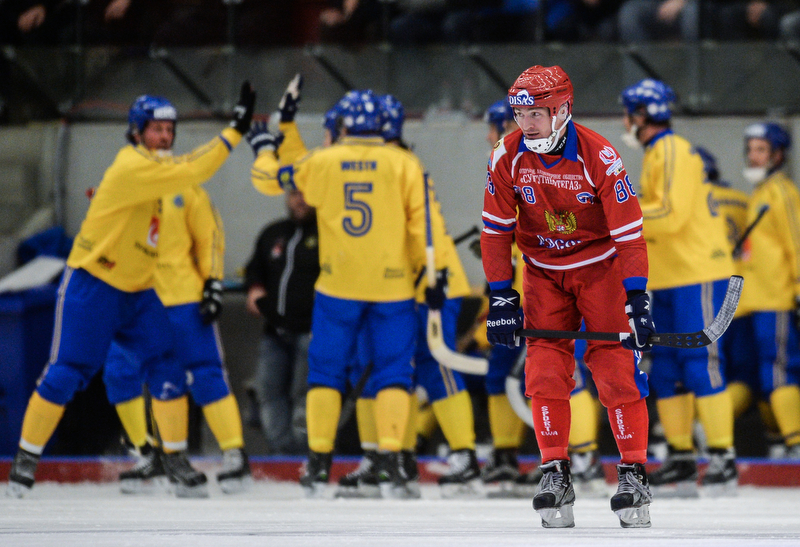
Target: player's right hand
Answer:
pixel 243 111
pixel 504 318
pixel 637 307
pixel 288 104
pixel 260 138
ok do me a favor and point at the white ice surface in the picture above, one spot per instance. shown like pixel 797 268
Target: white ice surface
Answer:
pixel 276 514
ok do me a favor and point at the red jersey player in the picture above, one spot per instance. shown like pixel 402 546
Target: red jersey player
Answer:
pixel 562 191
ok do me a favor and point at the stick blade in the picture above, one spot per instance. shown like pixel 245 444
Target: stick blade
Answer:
pixel 723 319
pixel 447 357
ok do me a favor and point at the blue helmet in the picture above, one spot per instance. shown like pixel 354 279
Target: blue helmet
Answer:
pixel 147 108
pixel 709 164
pixel 332 122
pixel 776 135
pixel 393 117
pixel 360 112
pixel 654 97
pixel 499 113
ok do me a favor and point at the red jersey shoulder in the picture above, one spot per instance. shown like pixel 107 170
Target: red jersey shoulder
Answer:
pixel 597 153
pixel 505 150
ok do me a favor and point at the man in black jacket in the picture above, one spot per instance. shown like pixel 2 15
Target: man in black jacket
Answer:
pixel 280 281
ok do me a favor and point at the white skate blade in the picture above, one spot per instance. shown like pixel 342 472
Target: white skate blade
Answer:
pixel 634 517
pixel 237 485
pixel 199 491
pixel 138 487
pixel 362 491
pixel 317 490
pixel 684 489
pixel 500 490
pixel 390 491
pixel 729 489
pixel 473 489
pixel 557 517
pixel 595 488
pixel 16 490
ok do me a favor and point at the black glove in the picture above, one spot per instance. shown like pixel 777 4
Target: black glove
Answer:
pixel 637 307
pixel 260 138
pixel 504 318
pixel 243 111
pixel 475 247
pixel 436 295
pixel 211 305
pixel 288 104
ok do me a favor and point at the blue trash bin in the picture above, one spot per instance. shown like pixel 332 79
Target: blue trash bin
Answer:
pixel 26 330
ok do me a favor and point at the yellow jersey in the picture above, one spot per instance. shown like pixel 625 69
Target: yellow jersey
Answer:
pixel 685 235
pixel 191 247
pixel 118 239
pixel 370 204
pixel 732 206
pixel 771 257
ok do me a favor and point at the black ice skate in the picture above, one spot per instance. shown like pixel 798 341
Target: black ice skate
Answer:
pixel 588 477
pixel 721 477
pixel 500 472
pixel 361 482
pixel 147 475
pixel 316 474
pixel 677 476
pixel 463 479
pixel 188 482
pixel 392 480
pixel 21 477
pixel 410 472
pixel 631 503
pixel 235 476
pixel 555 495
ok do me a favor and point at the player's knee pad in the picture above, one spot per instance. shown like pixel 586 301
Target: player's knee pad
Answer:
pixel 62 380
pixel 165 378
pixel 208 383
pixel 122 385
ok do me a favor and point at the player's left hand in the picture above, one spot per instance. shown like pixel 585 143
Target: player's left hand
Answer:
pixel 243 111
pixel 637 308
pixel 288 104
pixel 211 305
pixel 503 320
pixel 260 138
pixel 436 295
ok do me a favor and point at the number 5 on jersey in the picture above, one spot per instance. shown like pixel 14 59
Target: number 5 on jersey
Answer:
pixel 361 221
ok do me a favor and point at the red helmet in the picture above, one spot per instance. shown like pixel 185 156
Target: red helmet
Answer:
pixel 541 86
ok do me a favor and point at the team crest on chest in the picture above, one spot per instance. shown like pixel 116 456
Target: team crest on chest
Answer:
pixel 561 222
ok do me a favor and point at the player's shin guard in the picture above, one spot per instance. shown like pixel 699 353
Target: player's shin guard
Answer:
pixel 551 420
pixel 391 417
pixel 630 426
pixel 323 406
pixel 172 421
pixel 134 422
pixel 39 423
pixel 454 414
pixel 506 427
pixel 225 422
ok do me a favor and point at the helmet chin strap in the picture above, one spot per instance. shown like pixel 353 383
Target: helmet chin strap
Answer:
pixel 543 146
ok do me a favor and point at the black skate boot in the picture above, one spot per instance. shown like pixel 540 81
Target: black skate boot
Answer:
pixel 21 477
pixel 410 472
pixel 631 503
pixel 525 486
pixel 588 476
pixel 235 476
pixel 721 477
pixel 463 479
pixel 500 472
pixel 392 480
pixel 555 495
pixel 316 474
pixel 361 482
pixel 188 482
pixel 147 475
pixel 677 476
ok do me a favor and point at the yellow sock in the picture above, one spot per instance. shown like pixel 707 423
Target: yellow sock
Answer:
pixel 391 417
pixel 716 415
pixel 785 403
pixel 742 398
pixel 172 419
pixel 454 414
pixel 225 422
pixel 506 427
pixel 768 417
pixel 132 415
pixel 323 407
pixel 677 417
pixel 41 419
pixel 410 438
pixel 426 421
pixel 365 420
pixel 583 430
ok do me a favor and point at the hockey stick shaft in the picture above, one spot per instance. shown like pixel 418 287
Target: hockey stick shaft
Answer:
pixel 701 338
pixel 466 235
pixel 737 249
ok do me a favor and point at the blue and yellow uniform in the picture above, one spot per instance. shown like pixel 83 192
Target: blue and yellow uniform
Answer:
pixel 106 292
